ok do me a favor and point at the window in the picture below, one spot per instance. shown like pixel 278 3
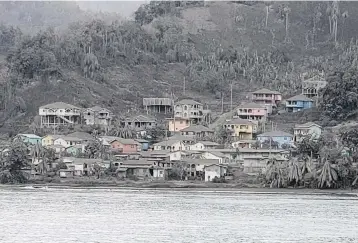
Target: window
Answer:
pixel 181 122
pixel 285 138
pixel 132 146
pixel 161 172
pixel 89 113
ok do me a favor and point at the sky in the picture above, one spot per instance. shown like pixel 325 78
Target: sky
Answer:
pixel 124 8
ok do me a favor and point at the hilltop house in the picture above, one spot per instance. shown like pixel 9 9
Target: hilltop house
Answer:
pixel 298 103
pixel 267 97
pixel 311 87
pixel 203 145
pixel 214 171
pixel 240 128
pixel 189 109
pixel 59 113
pixel 139 123
pixel 252 111
pixel 158 105
pixel 97 116
pixel 172 145
pixel 278 137
pixel 199 131
pixel 308 129
pixel 29 138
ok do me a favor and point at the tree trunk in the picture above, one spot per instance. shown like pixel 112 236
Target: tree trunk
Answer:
pixel 335 31
pixel 286 26
pixel 330 24
pixel 267 12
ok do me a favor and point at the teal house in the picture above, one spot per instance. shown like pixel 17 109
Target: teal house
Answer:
pixel 279 137
pixel 29 138
pixel 74 150
pixel 144 144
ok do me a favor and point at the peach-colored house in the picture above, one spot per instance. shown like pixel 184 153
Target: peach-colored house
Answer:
pixel 178 124
pixel 122 145
pixel 252 111
pixel 267 97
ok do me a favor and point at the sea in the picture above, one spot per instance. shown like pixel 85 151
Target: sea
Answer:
pixel 94 215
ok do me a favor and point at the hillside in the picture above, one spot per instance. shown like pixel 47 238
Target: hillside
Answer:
pixel 210 45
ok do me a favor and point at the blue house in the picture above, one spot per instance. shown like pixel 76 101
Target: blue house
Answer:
pixel 298 103
pixel 278 137
pixel 30 138
pixel 144 144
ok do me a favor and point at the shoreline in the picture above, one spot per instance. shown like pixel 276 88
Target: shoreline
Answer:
pixel 181 186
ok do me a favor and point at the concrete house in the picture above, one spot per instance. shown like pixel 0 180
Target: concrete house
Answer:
pixel 29 138
pixel 252 111
pixel 144 144
pixel 67 141
pixel 203 145
pixel 199 131
pixel 276 136
pixel 195 167
pixel 298 103
pixel 158 105
pixel 178 124
pixel 172 145
pixel 59 113
pixel 126 146
pixel 188 108
pixel 267 97
pixel 308 129
pixel 312 86
pixel 240 128
pixel 97 116
pixel 216 155
pixel 212 171
pixel 255 160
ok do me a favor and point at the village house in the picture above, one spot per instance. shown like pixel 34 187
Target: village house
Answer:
pixel 203 145
pixel 31 139
pixel 195 167
pixel 310 129
pixel 57 148
pixel 97 116
pixel 312 86
pixel 59 113
pixel 75 150
pixel 172 145
pixel 215 155
pixel 269 98
pixel 255 160
pixel 67 141
pixel 278 137
pixel 144 144
pixel 84 136
pixel 139 123
pixel 50 139
pixel 198 131
pixel 81 166
pixel 158 105
pixel 126 146
pixel 243 144
pixel 298 103
pixel 178 124
pixel 186 140
pixel 252 111
pixel 214 171
pixel 188 108
pixel 141 169
pixel 240 128
pixel 162 157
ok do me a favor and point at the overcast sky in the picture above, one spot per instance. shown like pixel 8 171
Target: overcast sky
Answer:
pixel 125 8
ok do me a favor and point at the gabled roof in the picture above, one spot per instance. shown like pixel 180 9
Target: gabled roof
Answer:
pixel 29 135
pixel 275 134
pixel 141 140
pixel 140 118
pixel 69 138
pixel 125 141
pixel 81 135
pixel 179 137
pixel 59 105
pixel 187 102
pixel 167 143
pixel 109 139
pixel 252 105
pixel 265 91
pixel 54 136
pixel 217 153
pixel 218 165
pixel 300 97
pixel 200 161
pixel 307 125
pixel 196 128
pixel 208 143
pixel 238 121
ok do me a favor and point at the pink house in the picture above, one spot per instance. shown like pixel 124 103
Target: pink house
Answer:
pixel 252 111
pixel 178 124
pixel 267 97
pixel 126 146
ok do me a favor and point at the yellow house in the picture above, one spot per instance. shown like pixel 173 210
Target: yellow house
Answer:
pixel 48 140
pixel 178 124
pixel 241 129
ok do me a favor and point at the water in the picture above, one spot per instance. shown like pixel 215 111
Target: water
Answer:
pixel 154 216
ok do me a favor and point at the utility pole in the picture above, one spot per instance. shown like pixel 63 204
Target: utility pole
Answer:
pixel 231 96
pixel 184 86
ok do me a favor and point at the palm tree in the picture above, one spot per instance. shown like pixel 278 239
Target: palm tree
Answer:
pixel 274 174
pixel 327 175
pixel 268 4
pixel 344 17
pixel 295 173
pixel 286 11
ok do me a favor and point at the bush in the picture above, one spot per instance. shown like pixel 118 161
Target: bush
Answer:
pixel 219 180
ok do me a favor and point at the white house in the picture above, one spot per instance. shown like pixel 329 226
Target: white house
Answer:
pixel 172 145
pixel 202 145
pixel 212 171
pixel 67 141
pixel 220 157
pixel 308 129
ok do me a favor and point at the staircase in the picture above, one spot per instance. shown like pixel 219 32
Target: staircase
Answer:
pixel 66 120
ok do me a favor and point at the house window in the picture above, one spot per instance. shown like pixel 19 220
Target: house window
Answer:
pixel 181 122
pixel 285 138
pixel 132 146
pixel 89 113
pixel 161 172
